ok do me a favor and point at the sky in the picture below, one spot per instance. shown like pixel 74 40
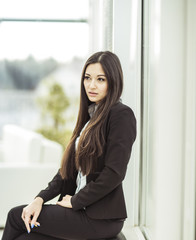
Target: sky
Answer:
pixel 61 41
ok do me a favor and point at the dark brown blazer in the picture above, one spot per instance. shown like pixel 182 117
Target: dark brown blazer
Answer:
pixel 102 197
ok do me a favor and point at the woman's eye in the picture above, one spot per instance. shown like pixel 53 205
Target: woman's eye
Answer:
pixel 101 79
pixel 86 77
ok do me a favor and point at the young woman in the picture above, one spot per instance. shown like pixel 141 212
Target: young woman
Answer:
pixel 91 203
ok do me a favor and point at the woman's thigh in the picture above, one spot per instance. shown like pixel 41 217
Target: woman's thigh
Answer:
pixel 57 223
pixel 35 236
pixel 63 223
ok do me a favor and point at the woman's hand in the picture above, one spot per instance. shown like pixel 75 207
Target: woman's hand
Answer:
pixel 65 202
pixel 32 210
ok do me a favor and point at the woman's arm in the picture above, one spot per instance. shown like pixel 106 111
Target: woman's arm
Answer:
pixel 53 189
pixel 121 135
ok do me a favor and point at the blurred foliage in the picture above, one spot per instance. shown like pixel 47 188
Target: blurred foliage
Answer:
pixel 25 74
pixel 53 106
pixel 61 137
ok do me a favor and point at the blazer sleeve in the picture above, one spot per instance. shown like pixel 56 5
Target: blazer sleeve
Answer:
pixel 53 189
pixel 120 138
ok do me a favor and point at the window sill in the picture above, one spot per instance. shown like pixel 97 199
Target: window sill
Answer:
pixel 132 233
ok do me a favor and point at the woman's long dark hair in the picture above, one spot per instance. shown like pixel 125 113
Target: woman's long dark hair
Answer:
pixel 92 141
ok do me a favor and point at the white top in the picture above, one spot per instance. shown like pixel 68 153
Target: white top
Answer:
pixel 81 179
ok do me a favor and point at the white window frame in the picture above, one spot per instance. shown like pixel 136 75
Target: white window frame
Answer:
pixel 188 172
pixel 101 25
pixel 127 45
pixel 135 227
pixel 189 212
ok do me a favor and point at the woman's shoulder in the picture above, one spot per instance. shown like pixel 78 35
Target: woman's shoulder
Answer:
pixel 122 114
pixel 122 120
pixel 120 108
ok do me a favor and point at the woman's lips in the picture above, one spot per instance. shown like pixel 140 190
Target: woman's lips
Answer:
pixel 92 94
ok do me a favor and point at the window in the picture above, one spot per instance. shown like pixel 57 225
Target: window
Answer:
pixel 40 41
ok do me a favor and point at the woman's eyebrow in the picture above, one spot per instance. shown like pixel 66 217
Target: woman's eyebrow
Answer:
pixel 101 75
pixel 97 75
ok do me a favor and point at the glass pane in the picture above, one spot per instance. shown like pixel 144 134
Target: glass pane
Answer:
pixel 44 9
pixel 61 41
pixel 33 56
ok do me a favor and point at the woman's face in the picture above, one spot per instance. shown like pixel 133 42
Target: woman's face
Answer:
pixel 95 82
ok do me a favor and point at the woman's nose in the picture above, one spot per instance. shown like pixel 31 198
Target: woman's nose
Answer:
pixel 92 84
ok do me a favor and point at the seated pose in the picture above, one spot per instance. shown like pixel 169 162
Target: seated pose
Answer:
pixel 89 181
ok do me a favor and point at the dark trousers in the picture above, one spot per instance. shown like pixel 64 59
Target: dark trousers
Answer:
pixel 57 223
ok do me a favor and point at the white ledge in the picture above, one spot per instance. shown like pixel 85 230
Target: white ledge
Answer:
pixel 132 233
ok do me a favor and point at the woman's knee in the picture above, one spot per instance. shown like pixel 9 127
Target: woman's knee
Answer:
pixel 15 212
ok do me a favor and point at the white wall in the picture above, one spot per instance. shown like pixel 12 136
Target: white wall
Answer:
pixel 165 75
pixel 127 42
pixel 167 193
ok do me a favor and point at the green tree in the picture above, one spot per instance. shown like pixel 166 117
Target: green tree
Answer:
pixel 53 106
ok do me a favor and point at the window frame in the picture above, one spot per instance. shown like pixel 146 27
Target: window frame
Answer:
pixel 189 211
pixel 132 65
pixel 66 20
